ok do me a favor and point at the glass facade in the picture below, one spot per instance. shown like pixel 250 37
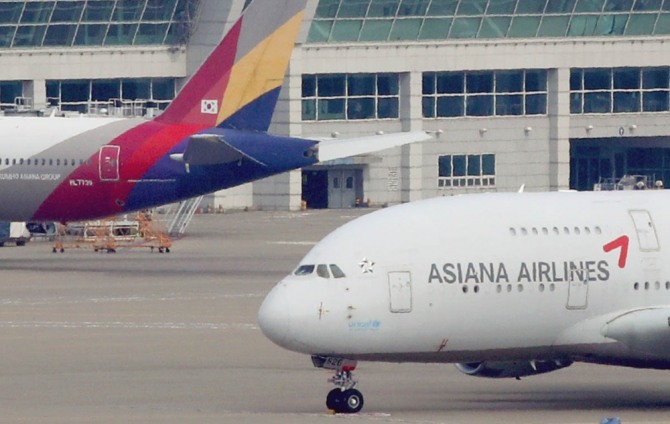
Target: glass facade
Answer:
pixel 66 23
pixel 416 20
pixel 466 171
pixel 350 97
pixel 484 93
pixel 619 90
pixel 128 97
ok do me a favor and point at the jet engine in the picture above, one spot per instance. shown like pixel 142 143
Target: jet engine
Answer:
pixel 511 369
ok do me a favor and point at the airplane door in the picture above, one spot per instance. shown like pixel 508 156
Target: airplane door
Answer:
pixel 109 163
pixel 646 232
pixel 578 290
pixel 400 290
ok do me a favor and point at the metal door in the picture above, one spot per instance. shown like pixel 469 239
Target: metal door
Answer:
pixel 578 290
pixel 341 189
pixel 646 233
pixel 400 290
pixel 109 163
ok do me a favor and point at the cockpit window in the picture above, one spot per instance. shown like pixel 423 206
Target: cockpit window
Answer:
pixel 337 272
pixel 322 271
pixel 304 270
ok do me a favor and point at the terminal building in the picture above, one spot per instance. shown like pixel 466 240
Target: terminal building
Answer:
pixel 545 94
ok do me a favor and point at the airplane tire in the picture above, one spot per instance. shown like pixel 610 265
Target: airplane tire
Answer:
pixel 351 401
pixel 334 399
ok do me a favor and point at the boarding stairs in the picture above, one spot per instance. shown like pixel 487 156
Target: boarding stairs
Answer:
pixel 178 215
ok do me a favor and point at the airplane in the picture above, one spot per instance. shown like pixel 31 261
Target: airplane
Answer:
pixel 504 285
pixel 212 136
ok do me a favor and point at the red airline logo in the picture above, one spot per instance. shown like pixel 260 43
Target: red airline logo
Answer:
pixel 621 242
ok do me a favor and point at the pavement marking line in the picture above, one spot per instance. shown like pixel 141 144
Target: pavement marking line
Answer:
pixel 293 243
pixel 74 301
pixel 130 325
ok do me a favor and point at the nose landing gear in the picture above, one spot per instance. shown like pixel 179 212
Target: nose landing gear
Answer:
pixel 345 402
pixel 344 399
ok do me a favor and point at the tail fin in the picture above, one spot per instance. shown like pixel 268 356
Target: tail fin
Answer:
pixel 239 83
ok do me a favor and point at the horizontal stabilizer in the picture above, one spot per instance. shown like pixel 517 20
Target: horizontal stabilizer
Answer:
pixel 212 149
pixel 645 330
pixel 332 149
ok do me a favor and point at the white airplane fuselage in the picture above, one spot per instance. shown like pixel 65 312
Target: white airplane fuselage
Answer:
pixel 492 277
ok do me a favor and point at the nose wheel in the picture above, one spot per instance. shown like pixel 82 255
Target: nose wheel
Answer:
pixel 344 399
pixel 348 401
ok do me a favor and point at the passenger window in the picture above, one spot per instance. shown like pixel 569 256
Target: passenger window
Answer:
pixel 304 270
pixel 322 271
pixel 336 271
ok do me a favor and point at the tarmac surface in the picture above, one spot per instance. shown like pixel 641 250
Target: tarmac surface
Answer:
pixel 140 337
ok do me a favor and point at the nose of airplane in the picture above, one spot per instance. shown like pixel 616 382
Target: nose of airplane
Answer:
pixel 273 316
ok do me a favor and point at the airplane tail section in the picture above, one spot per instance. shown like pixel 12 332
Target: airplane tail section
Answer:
pixel 239 83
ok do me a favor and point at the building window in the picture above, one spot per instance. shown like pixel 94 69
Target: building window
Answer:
pixel 493 93
pixel 619 90
pixel 466 171
pixel 350 97
pixel 11 93
pixel 125 97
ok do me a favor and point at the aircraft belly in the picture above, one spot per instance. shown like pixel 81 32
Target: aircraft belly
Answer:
pixel 19 200
pixel 455 356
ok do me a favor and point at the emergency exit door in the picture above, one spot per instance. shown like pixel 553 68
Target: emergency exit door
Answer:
pixel 400 290
pixel 578 289
pixel 646 232
pixel 109 163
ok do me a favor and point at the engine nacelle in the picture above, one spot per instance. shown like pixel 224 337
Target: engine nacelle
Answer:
pixel 511 369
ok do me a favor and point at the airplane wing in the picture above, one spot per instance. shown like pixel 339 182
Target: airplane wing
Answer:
pixel 211 149
pixel 334 148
